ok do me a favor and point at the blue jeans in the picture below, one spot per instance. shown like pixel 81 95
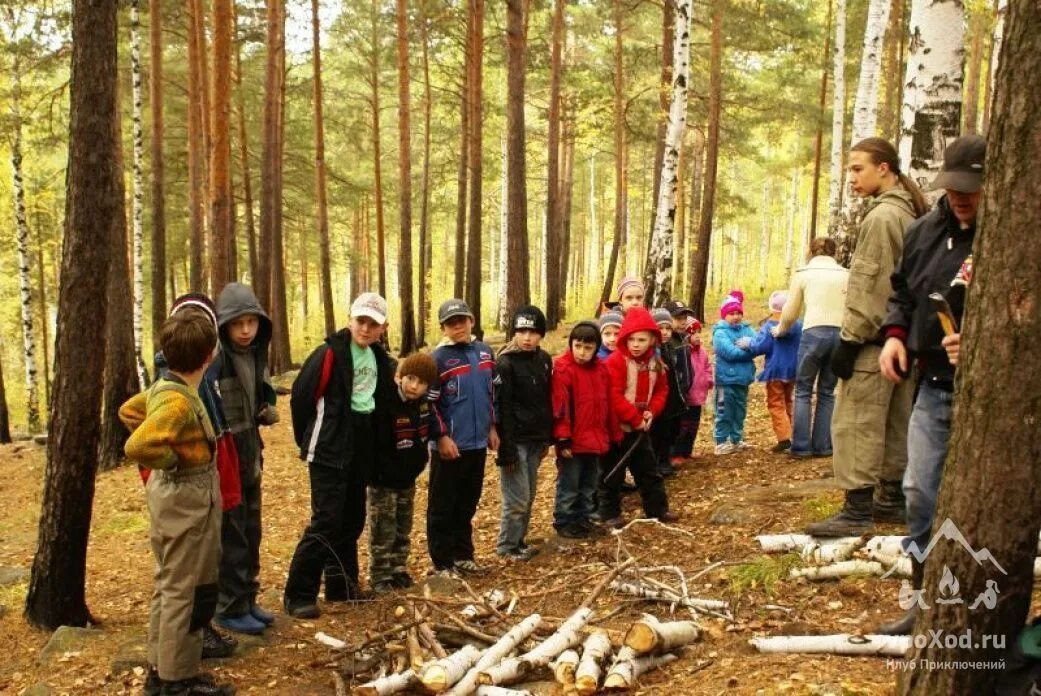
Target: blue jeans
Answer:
pixel 731 407
pixel 518 484
pixel 815 351
pixel 576 489
pixel 928 434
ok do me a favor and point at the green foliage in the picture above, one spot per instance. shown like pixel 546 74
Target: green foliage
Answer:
pixel 763 573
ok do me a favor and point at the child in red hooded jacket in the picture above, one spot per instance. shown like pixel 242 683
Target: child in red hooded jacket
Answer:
pixel 639 388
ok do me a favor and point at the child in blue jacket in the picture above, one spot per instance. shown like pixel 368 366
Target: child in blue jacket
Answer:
pixel 782 363
pixel 735 370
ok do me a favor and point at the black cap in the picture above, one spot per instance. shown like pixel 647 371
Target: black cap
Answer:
pixel 678 309
pixel 528 317
pixel 453 308
pixel 962 165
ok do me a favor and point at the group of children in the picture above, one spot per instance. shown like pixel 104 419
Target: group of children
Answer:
pixel 626 396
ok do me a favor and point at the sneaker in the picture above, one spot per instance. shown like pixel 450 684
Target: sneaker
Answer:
pixel 593 529
pixel 199 685
pixel 742 445
pixel 782 446
pixel 450 573
pixel 468 567
pixel 153 684
pixel 402 580
pixel 214 645
pixel 262 615
pixel 799 455
pixel 725 448
pixel 243 623
pixel 303 610
pixel 668 516
pixel 666 471
pixel 382 588
pixel 573 531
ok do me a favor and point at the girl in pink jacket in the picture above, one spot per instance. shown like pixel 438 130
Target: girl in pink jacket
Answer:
pixel 701 382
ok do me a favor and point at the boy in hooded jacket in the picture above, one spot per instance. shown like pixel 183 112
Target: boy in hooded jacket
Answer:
pixel 523 412
pixel 240 376
pixel 639 389
pixel 583 425
pixel 735 370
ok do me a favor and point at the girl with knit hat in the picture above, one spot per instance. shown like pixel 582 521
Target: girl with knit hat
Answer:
pixel 735 370
pixel 782 362
pixel 630 294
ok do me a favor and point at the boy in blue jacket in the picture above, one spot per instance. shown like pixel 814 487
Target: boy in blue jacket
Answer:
pixel 735 370
pixel 466 421
pixel 782 363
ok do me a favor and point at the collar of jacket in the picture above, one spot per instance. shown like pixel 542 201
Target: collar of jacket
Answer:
pixel 951 221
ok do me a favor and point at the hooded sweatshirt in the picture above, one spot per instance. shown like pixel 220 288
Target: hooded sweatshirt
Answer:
pixel 523 400
pixel 240 374
pixel 734 366
pixel 637 384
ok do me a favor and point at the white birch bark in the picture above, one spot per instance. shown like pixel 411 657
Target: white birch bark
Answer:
pixel 22 236
pixel 662 250
pixel 138 250
pixel 789 245
pixel 931 112
pixel 597 253
pixel 838 113
pixel 842 644
pixel 764 239
pixel 997 38
pixel 865 109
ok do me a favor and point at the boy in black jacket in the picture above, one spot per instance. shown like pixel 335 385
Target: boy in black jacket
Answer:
pixel 404 425
pixel 333 401
pixel 524 412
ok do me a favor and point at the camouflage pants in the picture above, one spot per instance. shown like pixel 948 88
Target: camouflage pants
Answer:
pixel 390 529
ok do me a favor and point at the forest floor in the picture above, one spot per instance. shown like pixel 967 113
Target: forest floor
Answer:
pixel 724 503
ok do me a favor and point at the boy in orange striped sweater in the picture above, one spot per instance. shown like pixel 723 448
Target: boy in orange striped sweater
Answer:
pixel 174 437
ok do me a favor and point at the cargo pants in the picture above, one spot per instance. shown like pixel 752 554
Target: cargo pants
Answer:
pixel 390 531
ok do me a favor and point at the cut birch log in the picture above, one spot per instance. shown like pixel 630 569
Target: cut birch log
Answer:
pixel 595 650
pixel 415 652
pixel 500 691
pixel 494 599
pixel 623 674
pixel 898 565
pixel 512 669
pixel 655 595
pixel 651 636
pixel 439 675
pixel 564 667
pixel 890 544
pixel 840 644
pixel 513 639
pixel 830 552
pixel 838 570
pixel 326 639
pixel 388 685
pixel 781 543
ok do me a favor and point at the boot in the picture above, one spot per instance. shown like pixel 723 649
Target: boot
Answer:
pixel 853 519
pixel 889 504
pixel 904 625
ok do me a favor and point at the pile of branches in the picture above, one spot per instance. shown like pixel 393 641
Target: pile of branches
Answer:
pixel 433 647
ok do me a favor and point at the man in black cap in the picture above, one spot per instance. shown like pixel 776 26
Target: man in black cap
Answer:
pixel 937 260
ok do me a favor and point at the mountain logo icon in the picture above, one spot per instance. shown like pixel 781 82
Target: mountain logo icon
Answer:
pixel 948 530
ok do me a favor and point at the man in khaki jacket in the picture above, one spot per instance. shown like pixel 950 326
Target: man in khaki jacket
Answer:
pixel 869 426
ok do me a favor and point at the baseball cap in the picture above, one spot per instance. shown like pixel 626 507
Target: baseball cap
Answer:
pixel 678 309
pixel 963 162
pixel 661 316
pixel 369 304
pixel 453 308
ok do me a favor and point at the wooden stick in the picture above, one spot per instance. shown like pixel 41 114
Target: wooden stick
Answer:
pixel 567 636
pixel 385 686
pixel 837 570
pixel 339 686
pixel 623 674
pixel 427 637
pixel 564 667
pixel 841 644
pixel 651 636
pixel 493 655
pixel 500 691
pixel 415 653
pixel 595 650
pixel 599 589
pixel 439 675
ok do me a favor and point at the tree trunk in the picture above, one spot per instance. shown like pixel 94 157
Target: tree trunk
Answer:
pixel 5 414
pixel 517 280
pixel 764 240
pixel 662 251
pixel 620 202
pixel 280 359
pixel 319 175
pixel 139 194
pixel 94 206
pixel 426 246
pixel 269 151
pixel 155 93
pixel 567 186
pixel 697 173
pixel 196 150
pixel 699 269
pixel 974 59
pixel 838 114
pixel 789 244
pixel 473 245
pixel 1000 11
pixel 893 61
pixel 932 95
pixel 220 155
pixel 41 278
pixel 247 183
pixel 408 318
pixel 459 277
pixel 32 395
pixel 374 77
pixel 665 89
pixel 986 492
pixel 819 140
pixel 554 233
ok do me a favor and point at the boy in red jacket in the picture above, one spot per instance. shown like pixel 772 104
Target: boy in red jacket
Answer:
pixel 639 388
pixel 583 425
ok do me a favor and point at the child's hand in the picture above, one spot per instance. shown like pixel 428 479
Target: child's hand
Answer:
pixel 775 331
pixel 447 448
pixel 268 415
pixel 743 343
pixel 648 418
pixel 563 448
pixel 493 439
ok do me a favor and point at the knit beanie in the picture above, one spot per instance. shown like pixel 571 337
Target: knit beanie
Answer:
pixel 734 302
pixel 610 319
pixel 778 298
pixel 587 332
pixel 627 283
pixel 529 318
pixel 662 316
pixel 420 365
pixel 693 326
pixel 195 300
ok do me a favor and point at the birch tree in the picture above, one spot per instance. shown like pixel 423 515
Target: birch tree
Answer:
pixel 995 55
pixel 931 114
pixel 155 93
pixel 662 251
pixel 139 193
pixel 838 113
